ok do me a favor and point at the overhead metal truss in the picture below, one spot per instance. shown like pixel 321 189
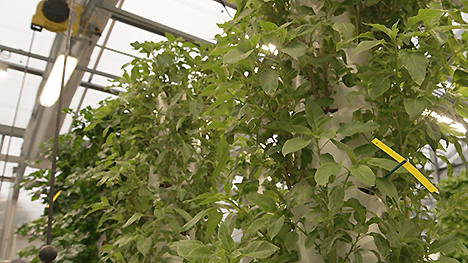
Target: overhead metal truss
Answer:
pixel 40 73
pixel 8 131
pixel 52 60
pixel 146 24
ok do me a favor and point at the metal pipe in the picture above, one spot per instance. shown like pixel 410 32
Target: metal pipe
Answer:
pixel 52 60
pixel 6 130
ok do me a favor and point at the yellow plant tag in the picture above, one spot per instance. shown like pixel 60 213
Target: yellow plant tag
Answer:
pixel 408 166
pixel 55 197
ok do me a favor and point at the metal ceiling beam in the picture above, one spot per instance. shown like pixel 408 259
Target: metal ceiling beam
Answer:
pixel 7 179
pixel 11 159
pixel 16 132
pixel 40 73
pixel 52 60
pixel 147 24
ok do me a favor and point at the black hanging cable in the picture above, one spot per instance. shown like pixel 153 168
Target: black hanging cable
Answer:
pixel 18 102
pixel 57 128
pixel 48 253
pixel 225 8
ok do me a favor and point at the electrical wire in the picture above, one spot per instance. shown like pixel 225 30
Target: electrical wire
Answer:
pixel 15 117
pixel 204 10
pixel 225 8
pixel 57 128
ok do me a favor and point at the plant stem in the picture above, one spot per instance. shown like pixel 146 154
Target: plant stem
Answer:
pixel 351 249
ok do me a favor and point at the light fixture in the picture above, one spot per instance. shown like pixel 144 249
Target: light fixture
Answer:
pixel 51 91
pixel 3 70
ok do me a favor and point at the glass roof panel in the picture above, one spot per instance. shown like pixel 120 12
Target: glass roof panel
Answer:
pixel 198 18
pixel 10 89
pixel 8 172
pixel 123 35
pixel 15 146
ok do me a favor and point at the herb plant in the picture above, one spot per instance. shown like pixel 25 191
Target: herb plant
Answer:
pixel 255 148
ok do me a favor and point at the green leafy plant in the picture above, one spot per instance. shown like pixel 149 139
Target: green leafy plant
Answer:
pixel 255 148
pixel 453 209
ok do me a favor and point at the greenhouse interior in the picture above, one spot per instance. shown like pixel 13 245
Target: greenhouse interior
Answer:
pixel 234 131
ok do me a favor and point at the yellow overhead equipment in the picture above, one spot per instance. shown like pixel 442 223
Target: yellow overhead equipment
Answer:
pixel 53 16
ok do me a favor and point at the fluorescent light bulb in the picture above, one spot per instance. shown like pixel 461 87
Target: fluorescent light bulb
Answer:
pixel 51 91
pixel 3 70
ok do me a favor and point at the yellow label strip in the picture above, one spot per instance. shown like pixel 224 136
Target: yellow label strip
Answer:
pixel 55 197
pixel 408 166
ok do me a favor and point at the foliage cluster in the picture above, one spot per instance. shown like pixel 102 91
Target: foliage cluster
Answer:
pixel 254 148
pixel 453 209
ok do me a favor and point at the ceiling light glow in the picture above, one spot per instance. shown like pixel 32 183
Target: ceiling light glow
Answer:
pixel 51 91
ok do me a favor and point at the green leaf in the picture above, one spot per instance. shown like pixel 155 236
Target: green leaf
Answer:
pixel 447 260
pixel 258 224
pixel 311 238
pixel 195 219
pixel 224 235
pixel 290 240
pixel 223 153
pixel 382 28
pixel 327 133
pixel 343 147
pixel 299 194
pixel 213 221
pixel 346 30
pixel 295 129
pixel 460 77
pixel 235 55
pixel 462 110
pixel 269 81
pixel 325 171
pixel 382 244
pixel 428 16
pixel 185 247
pixel 386 187
pixel 275 226
pixel 202 252
pixel 144 245
pixel 267 26
pixel 357 257
pixel 315 116
pixel 378 86
pixel 124 240
pixel 294 145
pixel 264 202
pixel 386 164
pixel 415 63
pixel 183 213
pixel 366 45
pixel 348 129
pixel 258 249
pixel 365 149
pixel 445 245
pixel 135 217
pixel 364 174
pixel 336 199
pixel 296 49
pixel 414 107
